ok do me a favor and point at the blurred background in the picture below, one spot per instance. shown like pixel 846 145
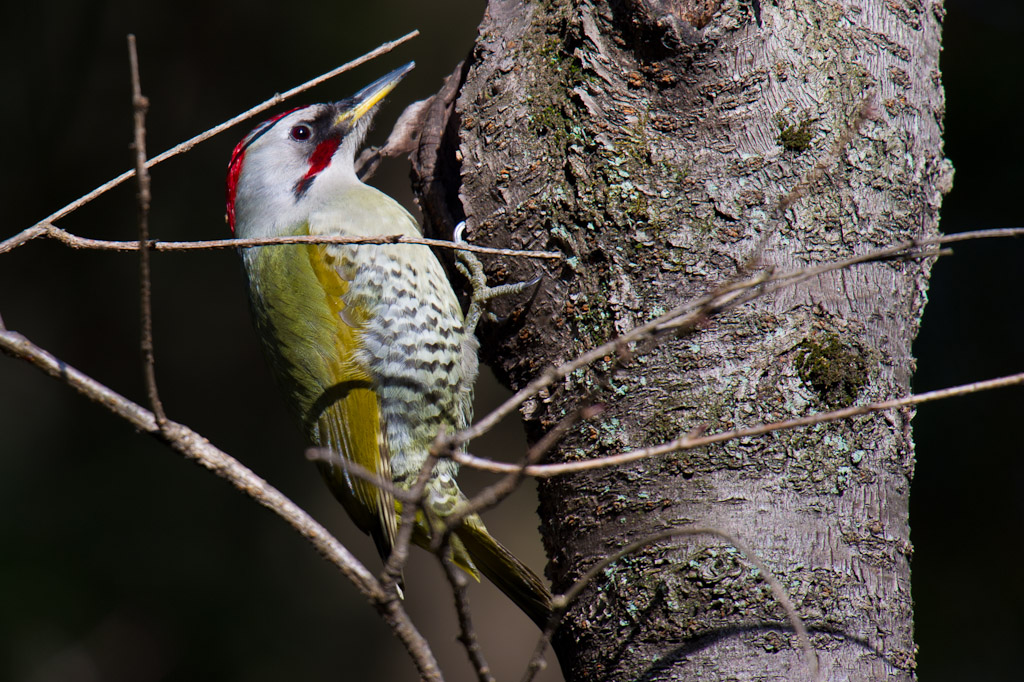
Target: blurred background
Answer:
pixel 120 561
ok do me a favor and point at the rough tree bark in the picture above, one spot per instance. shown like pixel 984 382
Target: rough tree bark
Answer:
pixel 665 147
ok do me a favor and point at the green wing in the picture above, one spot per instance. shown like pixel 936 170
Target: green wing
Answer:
pixel 311 338
pixel 348 413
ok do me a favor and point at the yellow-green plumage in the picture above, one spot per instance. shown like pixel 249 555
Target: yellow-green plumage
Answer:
pixel 313 358
pixel 368 342
pixel 370 346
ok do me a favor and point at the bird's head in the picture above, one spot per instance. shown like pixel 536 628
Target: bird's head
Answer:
pixel 279 169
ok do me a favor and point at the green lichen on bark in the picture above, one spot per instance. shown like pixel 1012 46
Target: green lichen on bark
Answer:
pixel 835 372
pixel 794 137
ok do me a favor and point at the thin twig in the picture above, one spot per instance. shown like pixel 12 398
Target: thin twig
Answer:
pixel 23 237
pixel 716 299
pixel 357 470
pixel 688 442
pixel 396 561
pixel 811 177
pixel 77 242
pixel 33 231
pixel 467 631
pixel 139 105
pixel 726 296
pixel 864 112
pixel 196 448
pixel 492 495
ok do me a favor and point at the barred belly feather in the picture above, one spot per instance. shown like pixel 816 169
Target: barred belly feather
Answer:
pixel 414 347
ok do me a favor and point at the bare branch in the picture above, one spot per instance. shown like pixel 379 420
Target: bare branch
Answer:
pixel 492 495
pixel 467 632
pixel 34 231
pixel 689 314
pixel 865 111
pixel 196 448
pixel 140 104
pixel 714 300
pixel 76 242
pixel 360 472
pixel 689 442
pixel 25 236
pixel 400 550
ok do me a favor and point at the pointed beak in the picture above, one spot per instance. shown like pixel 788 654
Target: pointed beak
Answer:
pixel 366 99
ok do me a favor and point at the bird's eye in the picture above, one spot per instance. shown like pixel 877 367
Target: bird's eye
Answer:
pixel 301 132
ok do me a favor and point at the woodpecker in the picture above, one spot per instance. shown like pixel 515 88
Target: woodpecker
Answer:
pixel 368 342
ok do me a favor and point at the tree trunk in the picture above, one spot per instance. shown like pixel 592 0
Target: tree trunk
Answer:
pixel 666 147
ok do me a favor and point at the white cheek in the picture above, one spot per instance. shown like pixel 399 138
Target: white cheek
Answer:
pixel 265 201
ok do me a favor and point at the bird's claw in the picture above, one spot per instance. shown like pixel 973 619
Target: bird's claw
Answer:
pixel 472 269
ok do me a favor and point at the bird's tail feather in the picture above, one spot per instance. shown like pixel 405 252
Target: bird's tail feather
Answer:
pixel 508 573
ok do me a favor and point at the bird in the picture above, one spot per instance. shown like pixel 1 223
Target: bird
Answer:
pixel 369 343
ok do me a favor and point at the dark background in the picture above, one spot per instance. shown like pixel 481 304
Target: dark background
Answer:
pixel 120 561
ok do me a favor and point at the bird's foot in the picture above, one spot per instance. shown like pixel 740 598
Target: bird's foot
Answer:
pixel 471 267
